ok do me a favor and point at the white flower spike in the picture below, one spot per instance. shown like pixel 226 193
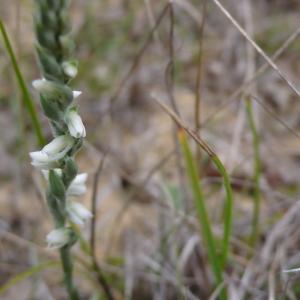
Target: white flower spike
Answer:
pixel 58 238
pixel 78 213
pixel 75 125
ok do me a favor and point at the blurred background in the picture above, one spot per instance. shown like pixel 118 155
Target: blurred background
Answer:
pixel 147 236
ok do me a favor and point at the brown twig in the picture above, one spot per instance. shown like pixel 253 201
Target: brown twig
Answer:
pixel 137 59
pixel 169 79
pixel 273 115
pixel 94 204
pixel 258 73
pixel 256 47
pixel 170 72
pixel 96 267
pixel 182 125
pixel 199 69
pixel 199 80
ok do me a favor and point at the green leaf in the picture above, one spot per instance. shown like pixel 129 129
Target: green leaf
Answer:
pixel 29 272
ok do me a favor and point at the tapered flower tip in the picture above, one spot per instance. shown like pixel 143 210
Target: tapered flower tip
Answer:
pixel 41 160
pixel 38 155
pixel 78 213
pixel 76 94
pixel 58 238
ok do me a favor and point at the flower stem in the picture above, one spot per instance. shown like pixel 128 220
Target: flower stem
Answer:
pixel 67 266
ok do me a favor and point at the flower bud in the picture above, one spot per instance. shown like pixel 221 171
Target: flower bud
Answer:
pixel 59 237
pixel 77 213
pixel 70 68
pixel 75 125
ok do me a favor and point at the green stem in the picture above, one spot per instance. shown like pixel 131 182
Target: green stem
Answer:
pixel 67 265
pixel 203 217
pixel 228 210
pixel 26 96
pixel 256 173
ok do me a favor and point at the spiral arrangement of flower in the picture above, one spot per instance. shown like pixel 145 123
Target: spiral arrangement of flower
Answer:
pixel 56 160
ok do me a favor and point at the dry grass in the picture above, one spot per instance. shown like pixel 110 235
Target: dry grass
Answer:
pixel 147 237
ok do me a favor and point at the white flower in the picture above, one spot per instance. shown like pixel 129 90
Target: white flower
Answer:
pixel 42 161
pixel 75 125
pixel 57 148
pixel 76 94
pixel 42 85
pixel 58 238
pixel 46 159
pixel 69 69
pixel 77 186
pixel 77 213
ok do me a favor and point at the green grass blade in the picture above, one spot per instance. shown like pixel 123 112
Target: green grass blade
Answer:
pixel 26 96
pixel 256 173
pixel 203 217
pixel 24 275
pixel 228 210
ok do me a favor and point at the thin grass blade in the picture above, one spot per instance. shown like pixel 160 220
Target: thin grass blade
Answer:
pixel 203 217
pixel 29 272
pixel 26 95
pixel 228 210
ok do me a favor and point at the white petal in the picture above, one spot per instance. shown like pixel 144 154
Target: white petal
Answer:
pixel 58 238
pixel 39 156
pixel 76 190
pixel 69 69
pixel 76 94
pixel 39 84
pixel 78 213
pixel 75 125
pixel 58 144
pixel 42 161
pixel 80 178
